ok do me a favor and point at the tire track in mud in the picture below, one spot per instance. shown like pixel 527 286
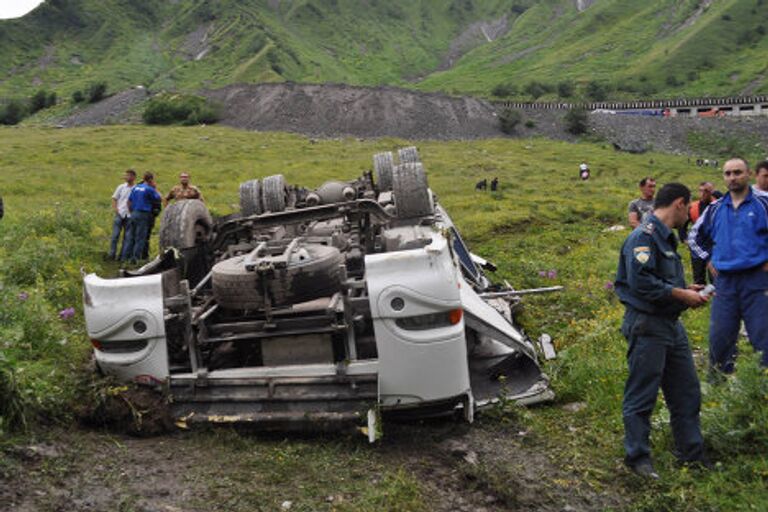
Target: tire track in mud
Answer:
pixel 488 467
pixel 482 467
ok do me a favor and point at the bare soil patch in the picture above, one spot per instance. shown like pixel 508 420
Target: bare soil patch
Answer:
pixel 459 467
pixel 342 110
pixel 120 108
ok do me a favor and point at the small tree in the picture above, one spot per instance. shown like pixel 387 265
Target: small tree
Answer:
pixel 96 91
pixel 504 90
pixel 597 91
pixel 184 109
pixel 38 101
pixel 509 119
pixel 536 89
pixel 565 89
pixel 12 113
pixel 576 121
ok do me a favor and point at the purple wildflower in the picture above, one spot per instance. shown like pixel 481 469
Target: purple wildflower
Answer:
pixel 66 314
pixel 23 296
pixel 609 285
pixel 552 274
pixel 542 273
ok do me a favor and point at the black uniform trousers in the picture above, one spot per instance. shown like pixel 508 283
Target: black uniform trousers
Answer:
pixel 659 357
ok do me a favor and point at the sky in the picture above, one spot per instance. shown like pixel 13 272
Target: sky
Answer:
pixel 16 8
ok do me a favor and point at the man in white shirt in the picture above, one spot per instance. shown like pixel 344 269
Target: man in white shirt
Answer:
pixel 584 171
pixel 121 222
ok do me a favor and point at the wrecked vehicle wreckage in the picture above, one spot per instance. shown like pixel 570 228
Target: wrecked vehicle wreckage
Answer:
pixel 323 307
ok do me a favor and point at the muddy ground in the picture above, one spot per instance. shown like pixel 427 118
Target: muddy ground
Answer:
pixel 483 467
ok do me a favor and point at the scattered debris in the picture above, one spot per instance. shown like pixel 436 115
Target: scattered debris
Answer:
pixel 575 406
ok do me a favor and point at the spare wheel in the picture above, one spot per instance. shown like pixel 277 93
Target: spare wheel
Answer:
pixel 185 224
pixel 312 271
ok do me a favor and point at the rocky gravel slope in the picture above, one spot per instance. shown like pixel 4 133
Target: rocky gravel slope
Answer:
pixel 332 110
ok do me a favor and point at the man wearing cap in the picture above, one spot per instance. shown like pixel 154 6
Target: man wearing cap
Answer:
pixel 650 282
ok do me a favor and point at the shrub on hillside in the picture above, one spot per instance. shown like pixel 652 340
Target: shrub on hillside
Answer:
pixel 509 119
pixel 96 91
pixel 672 81
pixel 537 89
pixel 565 89
pixel 40 100
pixel 504 90
pixel 179 109
pixel 12 112
pixel 78 97
pixel 597 91
pixel 576 121
pixel 274 61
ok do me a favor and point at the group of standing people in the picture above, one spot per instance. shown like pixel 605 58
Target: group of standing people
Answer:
pixel 136 206
pixel 483 184
pixel 730 238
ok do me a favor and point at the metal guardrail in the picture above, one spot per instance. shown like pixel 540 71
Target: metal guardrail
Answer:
pixel 629 105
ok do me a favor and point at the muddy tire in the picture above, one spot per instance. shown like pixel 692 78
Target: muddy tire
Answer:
pixel 274 193
pixel 410 191
pixel 250 198
pixel 383 164
pixel 185 224
pixel 313 271
pixel 234 287
pixel 409 155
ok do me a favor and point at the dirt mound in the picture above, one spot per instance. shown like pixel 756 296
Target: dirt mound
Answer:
pixel 339 110
pixel 135 410
pixel 119 108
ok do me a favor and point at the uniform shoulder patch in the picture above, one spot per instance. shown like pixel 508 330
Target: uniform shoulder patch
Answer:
pixel 648 228
pixel 642 254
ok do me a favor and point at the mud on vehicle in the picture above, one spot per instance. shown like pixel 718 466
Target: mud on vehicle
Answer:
pixel 329 306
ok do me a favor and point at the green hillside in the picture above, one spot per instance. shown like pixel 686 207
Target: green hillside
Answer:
pixel 659 48
pixel 626 48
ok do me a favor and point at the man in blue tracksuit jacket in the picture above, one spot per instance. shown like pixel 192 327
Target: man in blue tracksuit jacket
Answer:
pixel 736 228
pixel 650 282
pixel 140 204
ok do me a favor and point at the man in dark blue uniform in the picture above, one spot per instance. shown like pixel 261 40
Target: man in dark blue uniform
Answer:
pixel 736 228
pixel 650 283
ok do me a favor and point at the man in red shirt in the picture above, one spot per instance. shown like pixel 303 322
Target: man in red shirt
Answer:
pixel 695 211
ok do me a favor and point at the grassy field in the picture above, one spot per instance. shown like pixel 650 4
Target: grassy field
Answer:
pixel 56 186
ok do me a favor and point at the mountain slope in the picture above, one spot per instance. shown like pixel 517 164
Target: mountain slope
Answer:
pixel 629 48
pixel 652 48
pixel 190 44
